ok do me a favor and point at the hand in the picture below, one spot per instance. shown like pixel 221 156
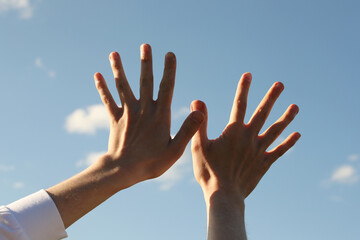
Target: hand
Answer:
pixel 235 162
pixel 140 146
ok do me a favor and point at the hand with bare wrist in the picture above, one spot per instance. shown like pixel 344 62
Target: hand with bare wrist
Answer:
pixel 229 168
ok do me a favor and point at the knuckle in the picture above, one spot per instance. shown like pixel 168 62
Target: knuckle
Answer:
pixel 281 152
pixel 119 84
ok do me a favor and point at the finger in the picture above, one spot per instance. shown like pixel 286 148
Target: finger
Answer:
pixel 187 131
pixel 166 88
pixel 274 131
pixel 263 110
pixel 280 150
pixel 240 101
pixel 105 94
pixel 125 93
pixel 200 137
pixel 146 76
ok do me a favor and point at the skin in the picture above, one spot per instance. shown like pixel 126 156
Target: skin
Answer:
pixel 140 146
pixel 229 168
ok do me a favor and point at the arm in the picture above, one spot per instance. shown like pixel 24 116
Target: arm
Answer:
pixel 229 168
pixel 140 146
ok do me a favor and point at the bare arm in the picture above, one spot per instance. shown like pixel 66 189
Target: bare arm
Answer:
pixel 229 168
pixel 140 146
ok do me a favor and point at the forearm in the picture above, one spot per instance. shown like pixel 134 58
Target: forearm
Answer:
pixel 225 213
pixel 78 195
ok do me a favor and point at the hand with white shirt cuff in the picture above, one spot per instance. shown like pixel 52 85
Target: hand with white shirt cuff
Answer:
pixel 140 146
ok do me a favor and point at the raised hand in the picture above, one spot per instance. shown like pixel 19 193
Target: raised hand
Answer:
pixel 229 168
pixel 140 145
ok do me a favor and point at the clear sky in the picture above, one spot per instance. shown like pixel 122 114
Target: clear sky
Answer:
pixel 49 51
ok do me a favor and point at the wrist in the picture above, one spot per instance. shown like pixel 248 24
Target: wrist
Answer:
pixel 114 172
pixel 224 192
pixel 222 196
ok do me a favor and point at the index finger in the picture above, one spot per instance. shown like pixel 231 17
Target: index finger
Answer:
pixel 125 93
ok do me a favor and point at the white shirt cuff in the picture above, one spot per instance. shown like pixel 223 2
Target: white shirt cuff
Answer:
pixel 39 217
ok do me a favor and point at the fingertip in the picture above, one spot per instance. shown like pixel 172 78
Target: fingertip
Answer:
pixel 98 76
pixel 198 105
pixel 170 56
pixel 170 60
pixel 297 135
pixel 145 51
pixel 294 108
pixel 279 85
pixel 145 47
pixel 114 56
pixel 247 76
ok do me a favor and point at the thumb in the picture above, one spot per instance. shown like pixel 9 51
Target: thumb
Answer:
pixel 187 130
pixel 200 136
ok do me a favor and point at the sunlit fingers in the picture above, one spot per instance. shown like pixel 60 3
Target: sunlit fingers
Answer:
pixel 125 93
pixel 273 155
pixel 105 95
pixel 263 110
pixel 274 131
pixel 166 88
pixel 146 76
pixel 240 101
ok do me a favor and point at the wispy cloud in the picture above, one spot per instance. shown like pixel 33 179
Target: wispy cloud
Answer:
pixel 353 157
pixel 40 64
pixel 177 172
pixel 87 121
pixel 90 159
pixel 336 198
pixel 181 112
pixel 345 174
pixel 18 185
pixel 6 168
pixel 22 6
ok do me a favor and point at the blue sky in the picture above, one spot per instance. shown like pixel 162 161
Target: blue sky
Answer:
pixel 51 49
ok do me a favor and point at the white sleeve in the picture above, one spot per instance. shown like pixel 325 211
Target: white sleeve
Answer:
pixel 34 217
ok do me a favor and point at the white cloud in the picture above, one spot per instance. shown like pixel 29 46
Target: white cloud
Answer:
pixel 177 172
pixel 87 121
pixel 40 64
pixel 6 168
pixel 23 6
pixel 90 159
pixel 18 185
pixel 345 174
pixel 52 74
pixel 181 112
pixel 353 157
